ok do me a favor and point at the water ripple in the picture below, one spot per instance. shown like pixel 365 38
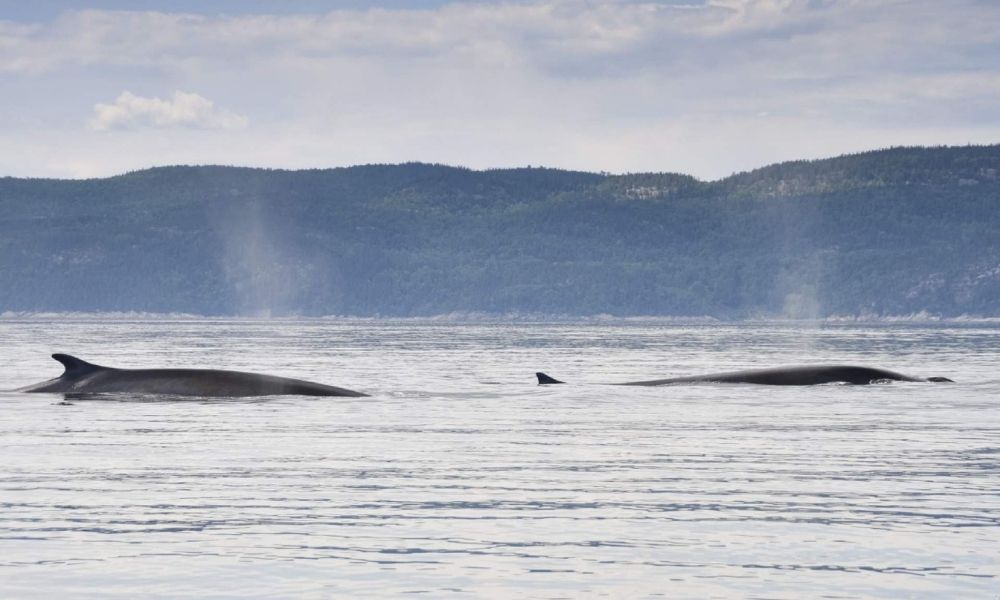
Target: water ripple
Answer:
pixel 474 482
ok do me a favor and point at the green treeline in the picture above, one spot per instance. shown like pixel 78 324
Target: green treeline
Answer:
pixel 889 232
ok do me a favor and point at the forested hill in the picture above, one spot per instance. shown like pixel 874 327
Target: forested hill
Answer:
pixel 889 232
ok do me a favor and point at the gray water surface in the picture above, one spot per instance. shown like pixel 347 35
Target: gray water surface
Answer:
pixel 459 477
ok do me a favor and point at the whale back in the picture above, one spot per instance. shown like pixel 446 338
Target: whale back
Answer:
pixel 796 375
pixel 82 377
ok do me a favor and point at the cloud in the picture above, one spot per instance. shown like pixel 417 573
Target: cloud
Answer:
pixel 183 110
pixel 704 86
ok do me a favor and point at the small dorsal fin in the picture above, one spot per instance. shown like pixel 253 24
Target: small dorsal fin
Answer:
pixel 544 379
pixel 74 366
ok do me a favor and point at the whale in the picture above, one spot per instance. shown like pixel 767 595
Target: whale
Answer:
pixel 83 378
pixel 796 375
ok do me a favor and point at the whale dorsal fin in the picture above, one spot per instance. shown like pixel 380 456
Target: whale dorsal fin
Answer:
pixel 74 366
pixel 544 379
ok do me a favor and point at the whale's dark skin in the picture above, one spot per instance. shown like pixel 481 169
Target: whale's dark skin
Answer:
pixel 806 375
pixel 82 378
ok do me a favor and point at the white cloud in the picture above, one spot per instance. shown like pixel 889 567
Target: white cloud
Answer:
pixel 183 110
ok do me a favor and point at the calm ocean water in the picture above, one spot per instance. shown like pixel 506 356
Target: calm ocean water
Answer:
pixel 461 478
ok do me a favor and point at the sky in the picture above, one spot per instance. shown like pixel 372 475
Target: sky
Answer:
pixel 705 87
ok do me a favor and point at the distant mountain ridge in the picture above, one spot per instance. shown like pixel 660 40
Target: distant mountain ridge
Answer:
pixel 888 232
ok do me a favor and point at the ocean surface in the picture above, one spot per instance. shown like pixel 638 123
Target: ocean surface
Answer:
pixel 461 478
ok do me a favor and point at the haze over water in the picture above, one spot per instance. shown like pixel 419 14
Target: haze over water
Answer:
pixel 459 477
